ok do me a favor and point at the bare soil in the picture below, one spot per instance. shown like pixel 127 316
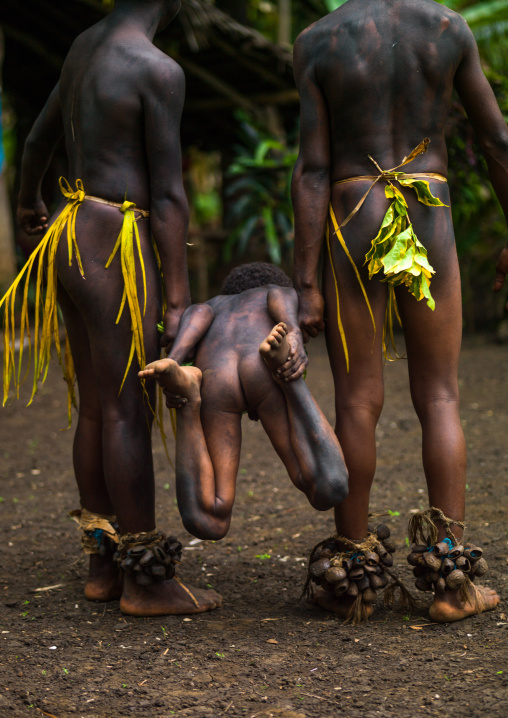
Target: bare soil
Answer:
pixel 264 653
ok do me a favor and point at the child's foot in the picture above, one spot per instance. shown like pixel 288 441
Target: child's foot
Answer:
pixel 104 582
pixel 448 607
pixel 166 598
pixel 181 381
pixel 275 349
pixel 340 606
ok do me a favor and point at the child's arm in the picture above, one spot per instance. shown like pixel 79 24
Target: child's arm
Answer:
pixel 195 323
pixel 282 305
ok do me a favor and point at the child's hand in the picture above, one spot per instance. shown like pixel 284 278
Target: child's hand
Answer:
pixel 174 401
pixel 297 361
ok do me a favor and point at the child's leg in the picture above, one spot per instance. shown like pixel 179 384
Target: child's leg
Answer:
pixel 206 468
pixel 300 433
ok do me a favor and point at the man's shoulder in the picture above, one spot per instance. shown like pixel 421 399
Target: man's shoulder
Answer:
pixel 159 70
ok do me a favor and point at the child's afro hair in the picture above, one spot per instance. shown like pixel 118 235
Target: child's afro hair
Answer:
pixel 253 275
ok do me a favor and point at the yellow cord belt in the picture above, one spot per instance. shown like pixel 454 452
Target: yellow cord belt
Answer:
pixel 46 317
pixel 396 249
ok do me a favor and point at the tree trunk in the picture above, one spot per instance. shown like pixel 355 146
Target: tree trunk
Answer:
pixel 284 22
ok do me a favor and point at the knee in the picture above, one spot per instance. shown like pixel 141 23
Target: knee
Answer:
pixel 329 493
pixel 431 399
pixel 365 409
pixel 206 528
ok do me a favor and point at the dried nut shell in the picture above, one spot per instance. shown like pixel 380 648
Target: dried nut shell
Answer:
pixel 380 550
pixel 370 527
pixel 481 567
pixel 455 579
pixel 159 554
pixel 473 553
pixel 356 573
pixel 319 567
pixel 368 595
pixel 363 583
pixel 432 561
pixel 456 552
pixel 383 532
pixel 463 563
pixel 353 589
pixel 389 545
pixel 379 570
pixel 340 588
pixel 170 571
pixel 137 551
pixel 423 585
pixel 158 571
pixel 335 574
pixel 371 559
pixel 419 548
pixel 441 549
pixel 434 576
pixel 325 585
pixel 331 545
pixel 387 560
pixel 358 560
pixel 384 579
pixel 370 569
pixel 415 559
pixel 440 585
pixel 375 582
pixel 419 571
pixel 127 563
pixel 447 566
pixel 147 559
pixel 324 553
pixel 347 564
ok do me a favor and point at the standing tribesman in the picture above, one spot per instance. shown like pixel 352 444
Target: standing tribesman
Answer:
pixel 376 79
pixel 118 104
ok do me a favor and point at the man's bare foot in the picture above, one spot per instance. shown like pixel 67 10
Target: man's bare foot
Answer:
pixel 182 381
pixel 104 582
pixel 340 606
pixel 448 607
pixel 275 349
pixel 166 598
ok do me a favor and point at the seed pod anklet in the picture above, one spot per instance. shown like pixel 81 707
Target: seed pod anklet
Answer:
pixel 444 565
pixel 356 569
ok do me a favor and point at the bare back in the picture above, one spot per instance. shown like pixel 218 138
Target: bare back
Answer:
pixel 386 69
pixel 106 80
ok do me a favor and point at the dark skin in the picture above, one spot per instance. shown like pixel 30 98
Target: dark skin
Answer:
pixel 118 104
pixel 244 364
pixel 375 77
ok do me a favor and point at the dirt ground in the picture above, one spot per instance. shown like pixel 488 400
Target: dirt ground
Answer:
pixel 263 653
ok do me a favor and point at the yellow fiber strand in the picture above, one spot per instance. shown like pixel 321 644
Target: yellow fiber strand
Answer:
pixel 46 326
pixel 339 320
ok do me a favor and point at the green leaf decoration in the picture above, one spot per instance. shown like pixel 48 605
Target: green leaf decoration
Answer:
pixel 422 189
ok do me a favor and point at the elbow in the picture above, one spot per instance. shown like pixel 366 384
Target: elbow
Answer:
pixel 495 145
pixel 164 208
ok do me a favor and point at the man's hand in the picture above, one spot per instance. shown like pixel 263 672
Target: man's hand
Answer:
pixel 310 313
pixel 501 271
pixel 171 323
pixel 297 361
pixel 33 220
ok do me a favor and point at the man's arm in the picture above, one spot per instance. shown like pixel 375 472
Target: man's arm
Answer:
pixel 282 305
pixel 310 189
pixel 40 144
pixel 169 212
pixel 488 123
